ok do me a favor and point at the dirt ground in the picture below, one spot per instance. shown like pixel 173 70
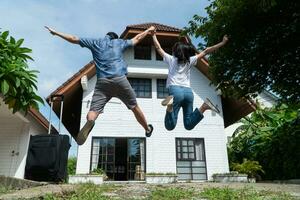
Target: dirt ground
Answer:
pixel 139 190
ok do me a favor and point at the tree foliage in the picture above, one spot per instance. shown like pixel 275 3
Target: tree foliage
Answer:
pixel 270 136
pixel 263 50
pixel 17 82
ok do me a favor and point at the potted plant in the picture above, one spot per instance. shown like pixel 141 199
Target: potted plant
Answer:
pixel 160 178
pixel 251 168
pixel 97 176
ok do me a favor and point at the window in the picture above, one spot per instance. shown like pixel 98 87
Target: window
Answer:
pixel 166 49
pixel 142 52
pixel 162 91
pixel 103 155
pixel 142 87
pixel 185 149
pixel 191 164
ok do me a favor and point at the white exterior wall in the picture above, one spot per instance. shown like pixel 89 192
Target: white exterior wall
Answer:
pixel 15 133
pixel 118 121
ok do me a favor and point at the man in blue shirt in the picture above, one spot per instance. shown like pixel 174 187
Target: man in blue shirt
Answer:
pixel 111 72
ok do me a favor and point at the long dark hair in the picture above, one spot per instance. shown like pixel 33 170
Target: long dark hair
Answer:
pixel 183 52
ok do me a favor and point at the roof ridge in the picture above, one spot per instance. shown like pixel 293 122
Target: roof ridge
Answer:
pixel 153 23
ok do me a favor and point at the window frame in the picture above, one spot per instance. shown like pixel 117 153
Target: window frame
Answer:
pixel 181 152
pixel 137 92
pixel 192 170
pixel 165 90
pixel 145 54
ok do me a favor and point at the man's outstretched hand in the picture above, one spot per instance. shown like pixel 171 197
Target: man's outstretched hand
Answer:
pixel 52 31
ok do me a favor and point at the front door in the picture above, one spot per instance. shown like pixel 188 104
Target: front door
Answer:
pixel 121 158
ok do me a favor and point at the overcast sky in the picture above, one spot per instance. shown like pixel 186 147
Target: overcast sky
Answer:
pixel 58 60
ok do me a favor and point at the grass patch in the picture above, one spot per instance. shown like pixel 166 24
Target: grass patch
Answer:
pixel 86 191
pixel 169 192
pixel 4 190
pixel 246 193
pixel 172 194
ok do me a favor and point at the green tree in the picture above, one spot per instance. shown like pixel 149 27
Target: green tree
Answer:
pixel 17 81
pixel 270 136
pixel 264 47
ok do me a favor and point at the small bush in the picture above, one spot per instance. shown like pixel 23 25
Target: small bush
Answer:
pixel 98 171
pixel 72 165
pixel 252 168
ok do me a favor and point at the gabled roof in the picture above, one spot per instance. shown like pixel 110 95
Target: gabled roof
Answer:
pixel 233 109
pixel 159 27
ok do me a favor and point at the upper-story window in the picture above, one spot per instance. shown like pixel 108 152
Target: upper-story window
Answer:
pixel 166 49
pixel 142 52
pixel 162 91
pixel 142 87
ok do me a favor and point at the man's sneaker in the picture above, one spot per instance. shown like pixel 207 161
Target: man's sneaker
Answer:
pixel 211 105
pixel 149 131
pixel 84 132
pixel 167 101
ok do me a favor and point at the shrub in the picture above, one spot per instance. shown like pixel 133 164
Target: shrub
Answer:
pixel 72 165
pixel 98 171
pixel 252 168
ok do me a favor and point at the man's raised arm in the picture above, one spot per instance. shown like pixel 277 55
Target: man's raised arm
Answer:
pixel 70 38
pixel 139 37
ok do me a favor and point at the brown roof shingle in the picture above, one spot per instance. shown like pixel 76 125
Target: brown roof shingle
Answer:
pixel 159 27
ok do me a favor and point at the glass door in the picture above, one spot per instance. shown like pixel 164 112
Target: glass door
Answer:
pixel 136 159
pixel 121 158
pixel 103 156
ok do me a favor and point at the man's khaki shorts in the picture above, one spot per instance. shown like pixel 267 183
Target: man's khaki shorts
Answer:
pixel 106 88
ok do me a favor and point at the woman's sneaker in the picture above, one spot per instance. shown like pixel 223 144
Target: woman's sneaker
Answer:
pixel 167 101
pixel 84 132
pixel 211 105
pixel 149 131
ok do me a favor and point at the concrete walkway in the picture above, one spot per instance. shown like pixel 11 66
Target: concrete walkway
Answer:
pixel 40 191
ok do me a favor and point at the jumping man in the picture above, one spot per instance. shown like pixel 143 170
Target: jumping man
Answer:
pixel 111 72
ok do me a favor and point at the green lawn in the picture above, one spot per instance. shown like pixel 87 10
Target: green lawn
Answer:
pixel 106 192
pixel 4 190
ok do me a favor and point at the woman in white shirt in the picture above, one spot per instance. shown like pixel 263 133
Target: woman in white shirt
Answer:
pixel 178 82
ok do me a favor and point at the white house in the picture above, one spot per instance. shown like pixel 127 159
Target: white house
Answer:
pixel 265 99
pixel 15 131
pixel 118 144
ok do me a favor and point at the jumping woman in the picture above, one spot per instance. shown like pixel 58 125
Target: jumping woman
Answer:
pixel 178 83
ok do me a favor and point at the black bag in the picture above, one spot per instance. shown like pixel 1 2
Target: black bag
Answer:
pixel 47 156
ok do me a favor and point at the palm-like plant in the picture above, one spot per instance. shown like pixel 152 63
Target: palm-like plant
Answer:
pixel 17 82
